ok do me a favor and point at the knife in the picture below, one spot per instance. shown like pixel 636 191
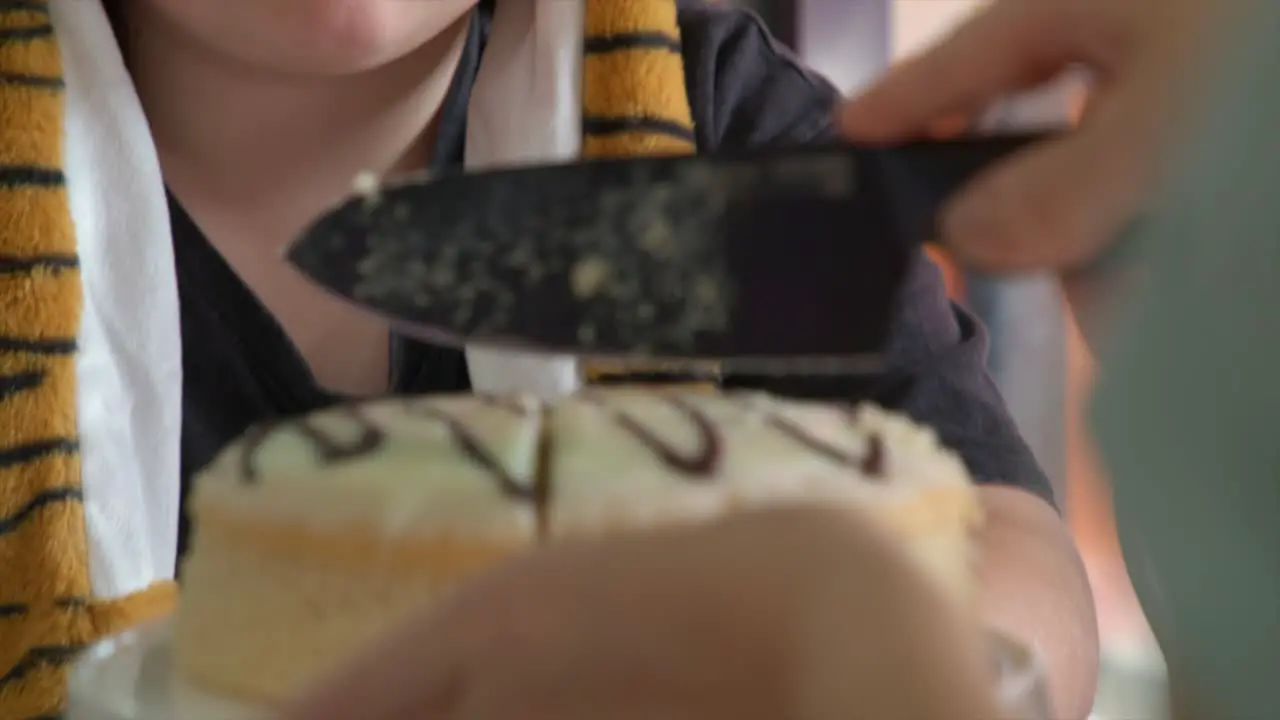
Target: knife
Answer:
pixel 777 261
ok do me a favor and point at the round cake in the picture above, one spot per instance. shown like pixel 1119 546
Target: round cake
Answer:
pixel 315 535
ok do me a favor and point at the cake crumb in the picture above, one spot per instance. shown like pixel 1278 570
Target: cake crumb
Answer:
pixel 589 277
pixel 367 185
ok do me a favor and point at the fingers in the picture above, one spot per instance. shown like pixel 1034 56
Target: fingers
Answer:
pixel 1058 205
pixel 1047 208
pixel 904 651
pixel 1001 50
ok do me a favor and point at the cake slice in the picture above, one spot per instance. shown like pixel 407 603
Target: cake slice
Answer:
pixel 315 535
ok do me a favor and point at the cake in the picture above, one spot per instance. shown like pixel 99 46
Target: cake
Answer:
pixel 314 535
pixel 311 535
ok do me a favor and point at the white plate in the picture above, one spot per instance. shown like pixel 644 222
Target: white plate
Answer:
pixel 131 677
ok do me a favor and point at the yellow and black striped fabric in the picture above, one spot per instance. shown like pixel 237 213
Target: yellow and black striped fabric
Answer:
pixel 634 100
pixel 46 609
pixel 635 103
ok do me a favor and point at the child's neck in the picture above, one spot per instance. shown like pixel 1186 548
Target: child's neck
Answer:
pixel 234 134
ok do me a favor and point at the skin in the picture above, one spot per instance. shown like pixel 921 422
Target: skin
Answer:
pixel 263 111
pixel 1034 587
pixel 1062 205
pixel 654 606
pixel 1054 206
pixel 764 616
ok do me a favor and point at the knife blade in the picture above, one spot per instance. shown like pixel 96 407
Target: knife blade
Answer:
pixel 777 261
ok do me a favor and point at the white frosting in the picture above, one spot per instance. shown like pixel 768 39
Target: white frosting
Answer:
pixel 619 476
pixel 417 479
pixel 601 470
pixel 605 466
pixel 601 474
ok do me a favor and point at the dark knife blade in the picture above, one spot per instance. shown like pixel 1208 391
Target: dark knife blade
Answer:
pixel 751 258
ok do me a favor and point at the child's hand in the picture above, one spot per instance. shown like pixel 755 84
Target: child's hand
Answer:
pixel 780 615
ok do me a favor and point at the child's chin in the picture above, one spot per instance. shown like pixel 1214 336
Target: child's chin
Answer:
pixel 326 37
pixel 354 35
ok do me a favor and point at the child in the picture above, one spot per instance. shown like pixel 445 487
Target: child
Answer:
pixel 155 156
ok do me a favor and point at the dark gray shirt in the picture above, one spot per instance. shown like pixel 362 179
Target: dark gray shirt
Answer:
pixel 745 92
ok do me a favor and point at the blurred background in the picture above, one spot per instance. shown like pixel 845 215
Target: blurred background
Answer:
pixel 1037 355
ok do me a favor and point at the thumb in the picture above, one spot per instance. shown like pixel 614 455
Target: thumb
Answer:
pixel 1006 47
pixel 1057 205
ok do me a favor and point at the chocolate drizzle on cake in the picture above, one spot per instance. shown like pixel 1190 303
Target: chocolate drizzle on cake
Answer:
pixel 810 441
pixel 330 448
pixel 473 446
pixel 511 404
pixel 870 462
pixel 371 437
pixel 701 463
pixel 873 462
pixel 333 449
pixel 543 487
pixel 253 440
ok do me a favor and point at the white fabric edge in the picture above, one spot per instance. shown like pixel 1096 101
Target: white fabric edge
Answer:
pixel 526 108
pixel 129 365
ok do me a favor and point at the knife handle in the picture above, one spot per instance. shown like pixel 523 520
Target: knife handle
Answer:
pixel 948 165
pixel 917 179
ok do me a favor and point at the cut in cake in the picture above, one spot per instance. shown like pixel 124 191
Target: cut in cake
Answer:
pixel 314 535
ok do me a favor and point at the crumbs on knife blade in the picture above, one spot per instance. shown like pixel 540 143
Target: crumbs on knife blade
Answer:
pixel 589 276
pixel 367 185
